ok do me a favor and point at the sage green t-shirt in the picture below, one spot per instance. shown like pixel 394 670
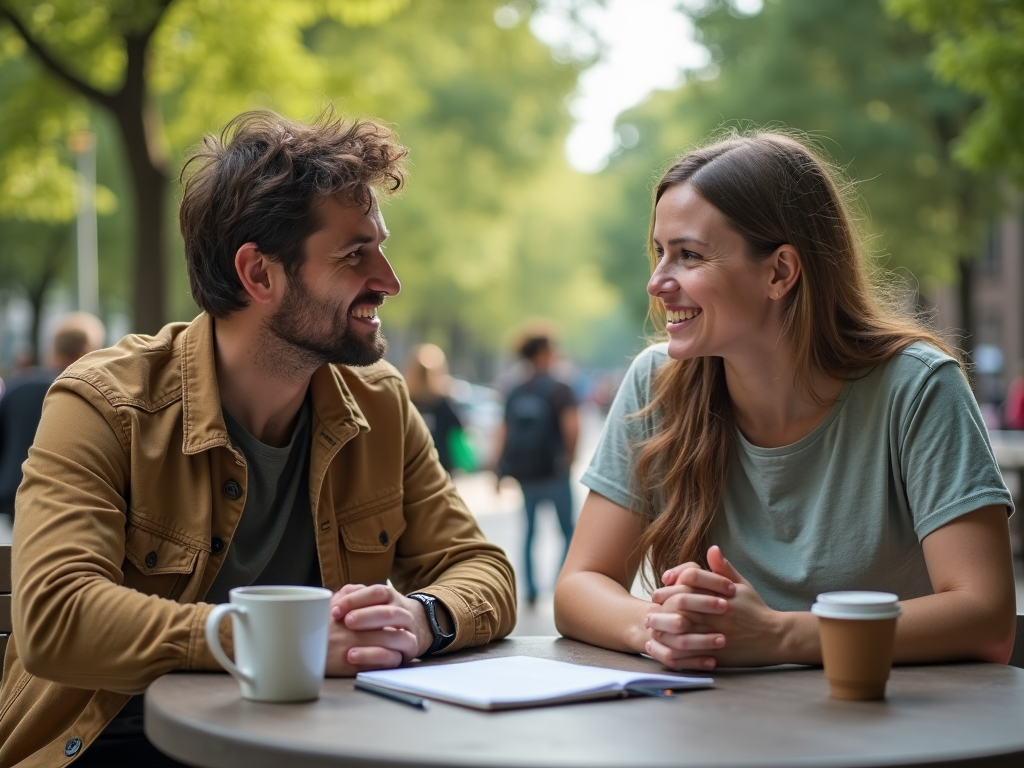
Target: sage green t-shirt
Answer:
pixel 902 452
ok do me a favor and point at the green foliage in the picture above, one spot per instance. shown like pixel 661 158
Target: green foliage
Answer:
pixel 857 82
pixel 979 45
pixel 493 226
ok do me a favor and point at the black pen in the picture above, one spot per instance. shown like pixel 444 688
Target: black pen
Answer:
pixel 405 698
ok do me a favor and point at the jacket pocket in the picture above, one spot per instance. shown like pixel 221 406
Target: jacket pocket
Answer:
pixel 376 532
pixel 370 545
pixel 157 565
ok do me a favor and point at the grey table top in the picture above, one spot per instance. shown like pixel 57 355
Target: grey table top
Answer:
pixel 952 715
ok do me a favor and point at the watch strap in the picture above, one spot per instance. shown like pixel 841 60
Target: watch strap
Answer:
pixel 441 639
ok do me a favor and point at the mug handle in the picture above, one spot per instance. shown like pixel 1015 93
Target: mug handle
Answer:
pixel 213 639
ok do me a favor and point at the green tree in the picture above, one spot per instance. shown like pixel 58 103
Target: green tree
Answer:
pixel 979 46
pixel 38 189
pixel 135 58
pixel 492 227
pixel 856 80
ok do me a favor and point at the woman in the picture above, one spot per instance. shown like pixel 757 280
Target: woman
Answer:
pixel 426 375
pixel 794 423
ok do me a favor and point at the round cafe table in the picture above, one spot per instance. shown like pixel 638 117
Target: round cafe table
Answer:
pixel 951 715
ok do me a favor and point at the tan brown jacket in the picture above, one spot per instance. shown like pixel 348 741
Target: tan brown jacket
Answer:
pixel 130 498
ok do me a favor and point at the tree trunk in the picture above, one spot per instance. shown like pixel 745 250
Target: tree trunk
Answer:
pixel 37 292
pixel 965 266
pixel 149 182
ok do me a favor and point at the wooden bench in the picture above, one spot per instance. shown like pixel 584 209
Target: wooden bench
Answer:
pixel 5 600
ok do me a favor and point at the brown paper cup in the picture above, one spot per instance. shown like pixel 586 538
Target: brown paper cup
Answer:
pixel 858 656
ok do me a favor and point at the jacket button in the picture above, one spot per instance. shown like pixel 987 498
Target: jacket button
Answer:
pixel 383 538
pixel 232 490
pixel 72 747
pixel 151 560
pixel 216 545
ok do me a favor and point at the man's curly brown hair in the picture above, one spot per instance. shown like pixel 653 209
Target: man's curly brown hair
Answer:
pixel 260 182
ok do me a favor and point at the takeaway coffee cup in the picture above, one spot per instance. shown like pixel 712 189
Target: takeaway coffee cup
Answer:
pixel 280 636
pixel 858 630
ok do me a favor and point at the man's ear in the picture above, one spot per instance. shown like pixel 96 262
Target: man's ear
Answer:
pixel 262 277
pixel 786 267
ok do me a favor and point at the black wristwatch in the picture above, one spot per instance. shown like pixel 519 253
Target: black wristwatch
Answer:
pixel 441 640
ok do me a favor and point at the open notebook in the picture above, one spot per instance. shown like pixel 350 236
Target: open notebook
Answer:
pixel 521 681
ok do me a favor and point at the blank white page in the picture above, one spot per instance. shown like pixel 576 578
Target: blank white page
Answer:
pixel 518 680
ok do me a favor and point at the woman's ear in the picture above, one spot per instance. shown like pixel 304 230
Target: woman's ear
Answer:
pixel 785 271
pixel 261 277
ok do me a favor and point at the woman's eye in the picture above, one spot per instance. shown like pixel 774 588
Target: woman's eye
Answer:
pixel 690 255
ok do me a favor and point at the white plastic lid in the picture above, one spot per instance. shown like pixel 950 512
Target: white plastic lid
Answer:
pixel 857 605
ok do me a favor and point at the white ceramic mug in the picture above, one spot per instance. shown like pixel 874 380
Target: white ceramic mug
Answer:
pixel 280 636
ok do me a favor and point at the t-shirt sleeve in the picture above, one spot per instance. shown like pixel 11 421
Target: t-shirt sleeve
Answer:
pixel 946 457
pixel 609 473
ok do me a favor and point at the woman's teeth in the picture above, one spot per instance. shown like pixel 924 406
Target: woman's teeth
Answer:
pixel 677 316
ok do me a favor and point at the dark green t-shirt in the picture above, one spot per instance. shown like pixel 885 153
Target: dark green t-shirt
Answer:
pixel 274 542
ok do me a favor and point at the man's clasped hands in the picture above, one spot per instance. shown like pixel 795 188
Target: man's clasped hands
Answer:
pixel 374 627
pixel 701 618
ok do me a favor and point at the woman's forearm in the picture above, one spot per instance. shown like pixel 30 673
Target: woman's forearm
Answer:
pixel 591 607
pixel 956 625
pixel 948 626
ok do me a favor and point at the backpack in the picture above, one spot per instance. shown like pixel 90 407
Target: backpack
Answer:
pixel 532 434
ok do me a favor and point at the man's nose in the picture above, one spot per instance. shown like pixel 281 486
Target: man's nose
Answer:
pixel 384 279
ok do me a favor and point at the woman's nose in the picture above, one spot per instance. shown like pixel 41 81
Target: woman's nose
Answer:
pixel 661 282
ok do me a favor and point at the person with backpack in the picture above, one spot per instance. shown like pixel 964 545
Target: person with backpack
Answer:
pixel 538 443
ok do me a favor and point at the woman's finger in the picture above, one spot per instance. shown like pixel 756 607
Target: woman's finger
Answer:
pixel 691 601
pixel 685 613
pixel 673 660
pixel 690 643
pixel 668 578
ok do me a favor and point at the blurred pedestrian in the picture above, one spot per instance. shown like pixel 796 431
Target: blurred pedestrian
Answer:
pixel 538 443
pixel 426 374
pixel 22 403
pixel 1013 408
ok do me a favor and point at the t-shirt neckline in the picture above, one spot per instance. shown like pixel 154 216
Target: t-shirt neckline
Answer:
pixel 807 439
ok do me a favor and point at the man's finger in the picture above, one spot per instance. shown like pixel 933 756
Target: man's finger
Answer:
pixel 376 617
pixel 372 657
pixel 375 594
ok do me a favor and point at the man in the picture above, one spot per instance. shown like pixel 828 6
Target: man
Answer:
pixel 538 443
pixel 265 442
pixel 21 405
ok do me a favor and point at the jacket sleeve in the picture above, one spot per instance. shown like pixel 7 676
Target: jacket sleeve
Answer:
pixel 74 622
pixel 442 551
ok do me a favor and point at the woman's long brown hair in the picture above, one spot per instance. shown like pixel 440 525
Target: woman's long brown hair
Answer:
pixel 773 190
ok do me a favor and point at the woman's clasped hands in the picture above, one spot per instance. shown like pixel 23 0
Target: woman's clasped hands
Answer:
pixel 701 619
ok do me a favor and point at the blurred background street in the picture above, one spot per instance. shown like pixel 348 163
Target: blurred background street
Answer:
pixel 535 129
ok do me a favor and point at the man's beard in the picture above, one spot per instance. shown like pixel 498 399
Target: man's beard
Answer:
pixel 306 332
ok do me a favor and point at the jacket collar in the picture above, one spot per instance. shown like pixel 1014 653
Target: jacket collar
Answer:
pixel 202 417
